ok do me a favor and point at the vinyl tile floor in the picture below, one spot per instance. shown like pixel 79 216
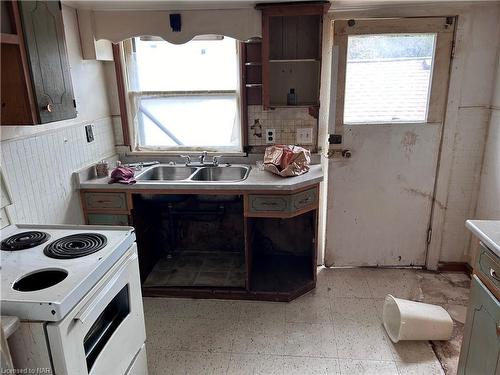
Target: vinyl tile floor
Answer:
pixel 335 329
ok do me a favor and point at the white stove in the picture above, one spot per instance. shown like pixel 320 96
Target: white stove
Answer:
pixel 77 292
pixel 78 275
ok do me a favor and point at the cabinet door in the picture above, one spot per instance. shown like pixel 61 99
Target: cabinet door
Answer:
pixel 481 343
pixel 45 43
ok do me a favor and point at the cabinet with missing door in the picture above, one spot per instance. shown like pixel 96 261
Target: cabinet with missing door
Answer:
pixel 266 241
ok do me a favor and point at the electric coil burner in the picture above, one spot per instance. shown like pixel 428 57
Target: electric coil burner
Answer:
pixel 75 246
pixel 24 240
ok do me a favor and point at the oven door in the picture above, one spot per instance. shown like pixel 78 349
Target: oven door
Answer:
pixel 103 334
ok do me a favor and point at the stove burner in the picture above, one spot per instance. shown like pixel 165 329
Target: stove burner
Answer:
pixel 24 240
pixel 75 246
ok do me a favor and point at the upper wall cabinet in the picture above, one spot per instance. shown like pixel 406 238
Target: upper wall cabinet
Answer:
pixel 45 42
pixel 36 80
pixel 291 53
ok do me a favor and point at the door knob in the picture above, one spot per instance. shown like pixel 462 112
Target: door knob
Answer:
pixel 346 153
pixel 50 107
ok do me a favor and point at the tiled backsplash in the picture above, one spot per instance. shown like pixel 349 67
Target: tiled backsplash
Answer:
pixel 285 121
pixel 39 170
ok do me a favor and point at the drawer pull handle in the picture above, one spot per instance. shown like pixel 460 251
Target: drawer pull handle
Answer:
pixel 269 203
pixel 306 200
pixel 494 274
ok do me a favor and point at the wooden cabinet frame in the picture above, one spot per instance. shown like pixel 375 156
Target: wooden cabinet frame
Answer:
pixel 283 10
pixel 22 89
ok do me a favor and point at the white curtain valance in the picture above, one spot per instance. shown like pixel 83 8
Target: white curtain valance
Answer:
pixel 116 26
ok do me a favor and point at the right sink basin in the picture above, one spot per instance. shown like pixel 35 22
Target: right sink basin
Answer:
pixel 230 173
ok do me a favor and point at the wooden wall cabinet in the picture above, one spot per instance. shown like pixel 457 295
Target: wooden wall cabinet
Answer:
pixel 36 83
pixel 291 53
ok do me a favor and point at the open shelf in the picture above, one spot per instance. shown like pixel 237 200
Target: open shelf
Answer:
pixel 280 273
pixel 283 254
pixel 6 38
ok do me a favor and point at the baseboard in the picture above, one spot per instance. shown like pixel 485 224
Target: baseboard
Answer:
pixel 455 267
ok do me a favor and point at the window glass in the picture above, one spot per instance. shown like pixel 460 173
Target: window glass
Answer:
pixel 186 95
pixel 388 78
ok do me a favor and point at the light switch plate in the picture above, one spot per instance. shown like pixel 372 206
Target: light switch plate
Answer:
pixel 89 132
pixel 270 136
pixel 304 136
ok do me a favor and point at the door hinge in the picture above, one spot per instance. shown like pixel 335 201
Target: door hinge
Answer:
pixel 429 235
pixel 74 103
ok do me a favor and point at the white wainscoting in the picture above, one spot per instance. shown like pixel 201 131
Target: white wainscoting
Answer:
pixel 39 168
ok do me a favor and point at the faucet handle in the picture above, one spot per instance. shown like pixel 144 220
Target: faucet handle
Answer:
pixel 216 160
pixel 188 159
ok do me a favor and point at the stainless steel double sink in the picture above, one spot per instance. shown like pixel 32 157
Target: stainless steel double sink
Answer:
pixel 165 172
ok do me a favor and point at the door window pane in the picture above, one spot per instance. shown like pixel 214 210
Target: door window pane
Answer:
pixel 388 78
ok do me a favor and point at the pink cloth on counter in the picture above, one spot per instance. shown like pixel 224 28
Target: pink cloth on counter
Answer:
pixel 122 175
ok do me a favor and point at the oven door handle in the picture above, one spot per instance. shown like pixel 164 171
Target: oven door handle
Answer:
pixel 98 303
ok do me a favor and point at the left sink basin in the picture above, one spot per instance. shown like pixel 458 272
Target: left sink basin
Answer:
pixel 165 173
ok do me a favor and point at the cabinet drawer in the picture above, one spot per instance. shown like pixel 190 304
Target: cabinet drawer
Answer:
pixel 106 201
pixel 488 266
pixel 304 199
pixel 266 203
pixel 282 203
pixel 105 219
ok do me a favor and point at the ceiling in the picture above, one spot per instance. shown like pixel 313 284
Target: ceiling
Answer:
pixel 164 4
pixel 236 4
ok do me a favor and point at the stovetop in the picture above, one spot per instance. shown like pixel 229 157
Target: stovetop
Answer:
pixel 97 248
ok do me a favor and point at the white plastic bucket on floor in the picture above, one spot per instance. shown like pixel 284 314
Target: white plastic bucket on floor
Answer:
pixel 408 320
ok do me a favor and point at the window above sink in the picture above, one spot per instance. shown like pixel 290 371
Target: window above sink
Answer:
pixel 184 97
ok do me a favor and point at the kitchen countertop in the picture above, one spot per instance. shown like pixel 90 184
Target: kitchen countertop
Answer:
pixel 256 180
pixel 488 232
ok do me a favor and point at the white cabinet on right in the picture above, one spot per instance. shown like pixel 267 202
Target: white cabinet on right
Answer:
pixel 480 353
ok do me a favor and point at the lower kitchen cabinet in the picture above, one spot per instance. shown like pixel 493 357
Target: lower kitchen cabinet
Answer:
pixel 235 245
pixel 480 354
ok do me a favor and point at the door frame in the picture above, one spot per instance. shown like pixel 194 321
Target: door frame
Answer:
pixel 445 29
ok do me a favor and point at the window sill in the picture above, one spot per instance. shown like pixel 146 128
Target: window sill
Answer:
pixel 177 153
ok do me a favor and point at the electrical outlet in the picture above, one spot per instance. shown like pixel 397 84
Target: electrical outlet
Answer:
pixel 270 136
pixel 303 136
pixel 89 131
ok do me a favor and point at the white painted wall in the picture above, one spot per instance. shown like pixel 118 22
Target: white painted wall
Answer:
pixel 488 205
pixel 38 161
pixel 466 124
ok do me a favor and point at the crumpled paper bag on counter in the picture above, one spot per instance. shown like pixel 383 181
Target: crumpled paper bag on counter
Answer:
pixel 287 161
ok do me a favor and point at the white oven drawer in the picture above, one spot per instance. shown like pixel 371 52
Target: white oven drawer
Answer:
pixel 105 331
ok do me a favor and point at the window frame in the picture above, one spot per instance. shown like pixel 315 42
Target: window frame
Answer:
pixel 126 98
pixel 442 59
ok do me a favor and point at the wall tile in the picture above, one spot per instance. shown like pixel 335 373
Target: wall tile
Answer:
pixel 39 168
pixel 284 120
